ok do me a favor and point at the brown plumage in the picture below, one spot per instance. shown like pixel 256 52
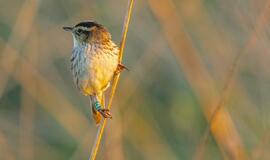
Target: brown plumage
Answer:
pixel 94 61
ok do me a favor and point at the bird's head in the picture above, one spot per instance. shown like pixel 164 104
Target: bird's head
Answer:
pixel 88 32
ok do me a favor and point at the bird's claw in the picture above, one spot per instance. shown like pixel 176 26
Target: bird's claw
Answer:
pixel 120 68
pixel 105 113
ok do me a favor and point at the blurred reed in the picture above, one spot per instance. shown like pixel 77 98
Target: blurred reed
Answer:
pixel 179 54
pixel 198 78
pixel 19 34
pixel 251 43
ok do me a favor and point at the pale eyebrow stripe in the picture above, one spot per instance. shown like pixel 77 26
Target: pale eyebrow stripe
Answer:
pixel 87 28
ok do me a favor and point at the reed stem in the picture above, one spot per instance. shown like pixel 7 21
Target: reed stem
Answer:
pixel 115 81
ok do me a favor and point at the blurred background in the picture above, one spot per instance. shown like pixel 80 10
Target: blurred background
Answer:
pixel 181 54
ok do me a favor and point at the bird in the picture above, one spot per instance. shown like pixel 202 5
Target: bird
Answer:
pixel 94 62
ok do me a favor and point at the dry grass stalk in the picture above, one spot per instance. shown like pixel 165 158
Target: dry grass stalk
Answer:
pixel 21 30
pixel 198 77
pixel 115 81
pixel 46 91
pixel 252 41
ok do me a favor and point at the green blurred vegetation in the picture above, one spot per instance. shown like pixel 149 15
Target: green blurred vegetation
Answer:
pixel 159 111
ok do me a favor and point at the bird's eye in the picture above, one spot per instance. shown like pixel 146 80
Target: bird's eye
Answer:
pixel 79 31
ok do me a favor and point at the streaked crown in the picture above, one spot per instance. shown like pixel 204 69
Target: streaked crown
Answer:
pixel 88 24
pixel 88 31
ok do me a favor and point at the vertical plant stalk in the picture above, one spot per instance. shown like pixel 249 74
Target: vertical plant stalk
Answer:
pixel 198 77
pixel 251 43
pixel 115 80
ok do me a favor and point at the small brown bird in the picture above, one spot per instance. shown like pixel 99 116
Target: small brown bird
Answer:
pixel 94 61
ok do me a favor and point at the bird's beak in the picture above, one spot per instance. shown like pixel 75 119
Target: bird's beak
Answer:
pixel 69 29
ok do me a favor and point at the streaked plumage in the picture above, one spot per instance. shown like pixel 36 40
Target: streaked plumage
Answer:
pixel 94 61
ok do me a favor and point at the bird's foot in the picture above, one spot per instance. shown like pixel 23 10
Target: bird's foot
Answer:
pixel 103 111
pixel 120 68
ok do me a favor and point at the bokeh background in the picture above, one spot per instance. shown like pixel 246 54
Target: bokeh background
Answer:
pixel 186 57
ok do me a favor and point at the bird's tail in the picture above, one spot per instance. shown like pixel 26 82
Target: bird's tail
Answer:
pixel 94 99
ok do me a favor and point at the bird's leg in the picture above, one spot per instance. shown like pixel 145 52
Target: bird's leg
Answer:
pixel 103 111
pixel 120 68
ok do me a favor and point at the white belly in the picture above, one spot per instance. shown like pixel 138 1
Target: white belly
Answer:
pixel 93 71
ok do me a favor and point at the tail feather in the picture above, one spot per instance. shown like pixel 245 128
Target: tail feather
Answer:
pixel 96 115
